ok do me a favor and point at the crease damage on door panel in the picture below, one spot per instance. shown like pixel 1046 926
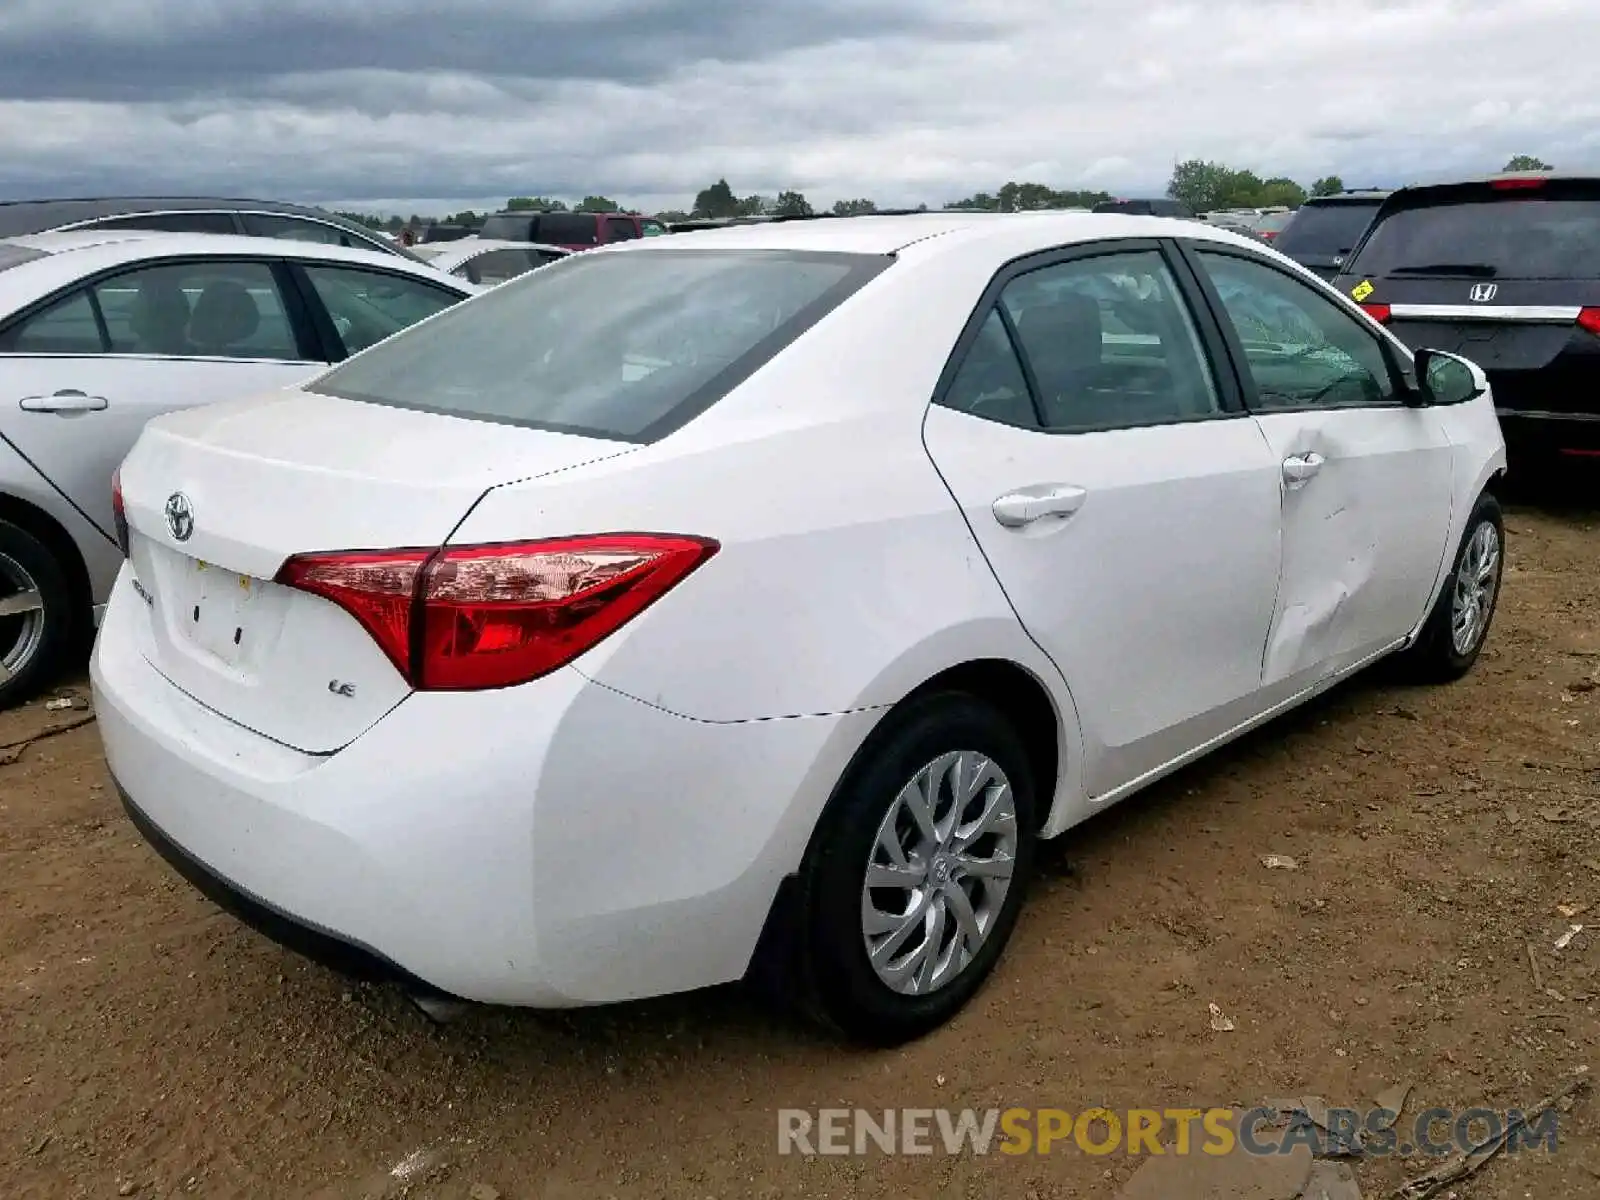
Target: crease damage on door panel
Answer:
pixel 1327 559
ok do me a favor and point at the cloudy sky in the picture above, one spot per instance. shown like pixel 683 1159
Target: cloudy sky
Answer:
pixel 401 103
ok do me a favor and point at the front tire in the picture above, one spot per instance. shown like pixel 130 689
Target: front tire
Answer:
pixel 914 880
pixel 37 615
pixel 1456 628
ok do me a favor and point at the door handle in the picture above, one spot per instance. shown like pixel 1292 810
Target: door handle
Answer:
pixel 1300 469
pixel 67 400
pixel 1027 505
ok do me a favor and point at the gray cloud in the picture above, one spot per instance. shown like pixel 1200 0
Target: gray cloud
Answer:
pixel 650 100
pixel 279 50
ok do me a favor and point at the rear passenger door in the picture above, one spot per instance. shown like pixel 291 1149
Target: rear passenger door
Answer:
pixel 82 372
pixel 1367 480
pixel 1126 503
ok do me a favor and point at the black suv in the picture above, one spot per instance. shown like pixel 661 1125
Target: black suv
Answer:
pixel 1325 229
pixel 1158 206
pixel 193 214
pixel 1506 272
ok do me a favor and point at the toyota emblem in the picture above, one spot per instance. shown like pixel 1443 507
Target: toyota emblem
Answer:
pixel 180 516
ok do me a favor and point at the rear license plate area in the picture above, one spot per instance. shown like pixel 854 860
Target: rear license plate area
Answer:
pixel 214 608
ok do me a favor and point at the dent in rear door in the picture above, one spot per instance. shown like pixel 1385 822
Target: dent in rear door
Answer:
pixel 1149 572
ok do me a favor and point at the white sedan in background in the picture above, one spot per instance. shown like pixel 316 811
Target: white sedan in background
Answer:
pixel 488 261
pixel 765 595
pixel 102 330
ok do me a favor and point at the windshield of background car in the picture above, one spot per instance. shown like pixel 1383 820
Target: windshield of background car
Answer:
pixel 568 229
pixel 1501 238
pixel 620 345
pixel 1327 229
pixel 509 227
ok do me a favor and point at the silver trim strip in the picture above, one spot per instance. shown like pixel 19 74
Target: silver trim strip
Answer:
pixel 1543 415
pixel 1547 313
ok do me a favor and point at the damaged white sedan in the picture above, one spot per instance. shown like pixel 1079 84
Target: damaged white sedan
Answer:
pixel 764 596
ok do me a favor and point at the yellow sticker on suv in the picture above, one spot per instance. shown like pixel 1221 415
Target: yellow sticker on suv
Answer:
pixel 1362 290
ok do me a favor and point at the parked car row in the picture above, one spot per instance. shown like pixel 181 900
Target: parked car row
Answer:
pixel 753 600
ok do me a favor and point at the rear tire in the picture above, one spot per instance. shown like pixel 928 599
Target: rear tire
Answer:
pixel 1455 630
pixel 950 874
pixel 38 616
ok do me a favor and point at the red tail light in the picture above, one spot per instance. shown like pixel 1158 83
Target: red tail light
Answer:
pixel 1589 318
pixel 1378 312
pixel 1517 183
pixel 468 617
pixel 119 514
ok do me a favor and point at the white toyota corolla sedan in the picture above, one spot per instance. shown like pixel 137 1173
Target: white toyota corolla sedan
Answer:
pixel 774 589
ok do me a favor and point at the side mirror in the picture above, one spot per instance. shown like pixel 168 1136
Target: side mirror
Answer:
pixel 1448 378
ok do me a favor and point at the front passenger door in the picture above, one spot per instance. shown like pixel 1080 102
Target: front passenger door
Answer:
pixel 1126 504
pixel 1366 479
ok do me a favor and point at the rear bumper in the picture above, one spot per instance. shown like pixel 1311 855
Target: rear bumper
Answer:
pixel 1575 433
pixel 551 845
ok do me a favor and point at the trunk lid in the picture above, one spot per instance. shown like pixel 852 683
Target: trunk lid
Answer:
pixel 251 483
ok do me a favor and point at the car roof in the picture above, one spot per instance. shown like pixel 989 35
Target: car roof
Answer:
pixel 932 232
pixel 71 254
pixel 23 216
pixel 469 247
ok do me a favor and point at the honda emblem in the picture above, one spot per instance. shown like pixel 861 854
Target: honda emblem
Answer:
pixel 1482 293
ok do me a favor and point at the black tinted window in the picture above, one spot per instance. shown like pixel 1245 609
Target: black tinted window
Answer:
pixel 566 229
pixel 1110 343
pixel 1518 239
pixel 624 346
pixel 1328 229
pixel 620 229
pixel 181 222
pixel 207 309
pixel 65 327
pixel 508 227
pixel 1301 349
pixel 989 382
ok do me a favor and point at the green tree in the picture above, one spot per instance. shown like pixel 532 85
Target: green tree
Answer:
pixel 534 204
pixel 792 204
pixel 717 200
pixel 1203 186
pixel 599 204
pixel 853 208
pixel 978 202
pixel 753 206
pixel 1278 191
pixel 1327 186
pixel 1527 162
pixel 672 214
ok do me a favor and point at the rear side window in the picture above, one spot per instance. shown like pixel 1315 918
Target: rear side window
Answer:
pixel 621 346
pixel 1488 239
pixel 508 227
pixel 297 229
pixel 497 266
pixel 179 222
pixel 1330 229
pixel 567 229
pixel 210 309
pixel 621 229
pixel 65 327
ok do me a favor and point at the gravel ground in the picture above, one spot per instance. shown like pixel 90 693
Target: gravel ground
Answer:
pixel 151 1046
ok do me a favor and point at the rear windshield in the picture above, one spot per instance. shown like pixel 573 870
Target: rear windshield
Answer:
pixel 627 346
pixel 1516 239
pixel 1330 229
pixel 507 227
pixel 11 256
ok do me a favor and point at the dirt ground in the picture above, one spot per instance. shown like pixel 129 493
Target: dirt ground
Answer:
pixel 151 1046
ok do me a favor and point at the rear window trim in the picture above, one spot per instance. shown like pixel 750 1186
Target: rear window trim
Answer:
pixel 866 268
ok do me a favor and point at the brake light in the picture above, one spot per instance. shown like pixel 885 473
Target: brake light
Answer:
pixel 1589 318
pixel 119 514
pixel 1380 313
pixel 468 617
pixel 1517 183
